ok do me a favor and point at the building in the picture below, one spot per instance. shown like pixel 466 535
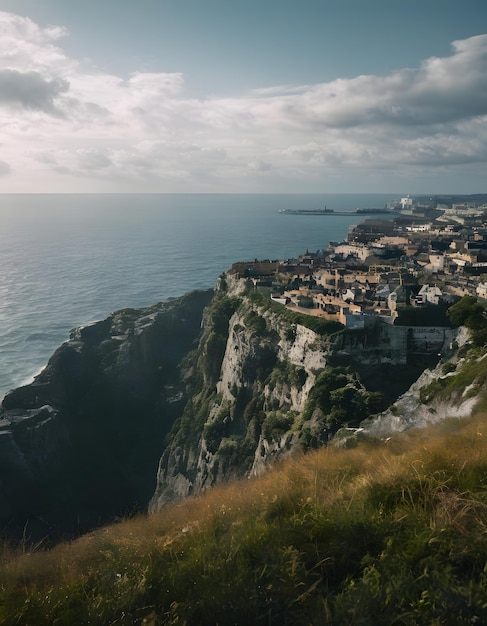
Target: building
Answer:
pixel 429 294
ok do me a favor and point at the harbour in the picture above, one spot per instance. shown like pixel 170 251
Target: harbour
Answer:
pixel 326 211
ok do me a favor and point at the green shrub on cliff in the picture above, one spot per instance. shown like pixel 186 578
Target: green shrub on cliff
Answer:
pixel 285 372
pixel 472 314
pixel 340 400
pixel 319 396
pixel 255 323
pixel 277 424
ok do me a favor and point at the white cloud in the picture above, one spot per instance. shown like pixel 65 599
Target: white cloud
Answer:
pixel 66 126
pixel 25 45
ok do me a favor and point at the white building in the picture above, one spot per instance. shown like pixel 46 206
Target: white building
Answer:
pixel 429 294
pixel 482 291
pixel 406 203
pixel 353 249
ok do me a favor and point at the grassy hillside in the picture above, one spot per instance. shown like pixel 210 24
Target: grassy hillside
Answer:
pixel 385 533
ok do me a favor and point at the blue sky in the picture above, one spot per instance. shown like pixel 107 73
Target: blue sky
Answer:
pixel 243 96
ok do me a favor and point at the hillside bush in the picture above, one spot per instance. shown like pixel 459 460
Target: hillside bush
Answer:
pixel 276 424
pixel 472 314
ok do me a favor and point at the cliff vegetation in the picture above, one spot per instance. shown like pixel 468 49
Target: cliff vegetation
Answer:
pixel 386 532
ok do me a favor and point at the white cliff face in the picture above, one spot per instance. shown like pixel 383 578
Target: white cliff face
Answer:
pixel 265 361
pixel 308 351
pixel 270 391
pixel 409 412
pixel 235 286
pixel 422 405
pixel 239 348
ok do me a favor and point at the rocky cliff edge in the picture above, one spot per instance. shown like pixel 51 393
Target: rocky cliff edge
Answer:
pixel 80 445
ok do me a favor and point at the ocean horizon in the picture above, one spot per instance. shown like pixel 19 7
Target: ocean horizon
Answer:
pixel 70 259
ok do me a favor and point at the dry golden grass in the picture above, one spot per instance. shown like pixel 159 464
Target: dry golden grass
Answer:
pixel 284 524
pixel 328 476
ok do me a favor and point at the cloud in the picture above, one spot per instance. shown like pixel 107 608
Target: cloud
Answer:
pixel 30 90
pixel 26 46
pixel 64 121
pixel 440 91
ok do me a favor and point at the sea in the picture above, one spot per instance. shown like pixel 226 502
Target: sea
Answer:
pixel 67 260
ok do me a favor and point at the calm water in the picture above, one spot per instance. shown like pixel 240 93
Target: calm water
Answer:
pixel 70 259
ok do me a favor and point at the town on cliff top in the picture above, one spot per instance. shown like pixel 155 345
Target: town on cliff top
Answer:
pixel 430 253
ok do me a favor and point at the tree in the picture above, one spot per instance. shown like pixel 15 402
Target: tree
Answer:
pixel 468 312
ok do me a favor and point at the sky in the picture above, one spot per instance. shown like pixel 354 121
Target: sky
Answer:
pixel 243 96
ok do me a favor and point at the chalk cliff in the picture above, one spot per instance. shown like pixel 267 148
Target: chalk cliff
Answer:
pixel 158 404
pixel 264 386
